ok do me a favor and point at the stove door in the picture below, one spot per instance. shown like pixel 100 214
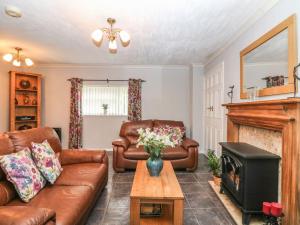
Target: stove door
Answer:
pixel 232 175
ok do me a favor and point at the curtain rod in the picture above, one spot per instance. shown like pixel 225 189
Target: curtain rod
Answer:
pixel 107 80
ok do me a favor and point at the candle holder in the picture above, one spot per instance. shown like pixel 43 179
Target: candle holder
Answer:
pixel 230 93
pixel 273 220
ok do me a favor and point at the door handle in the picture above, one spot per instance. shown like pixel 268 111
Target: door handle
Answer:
pixel 211 108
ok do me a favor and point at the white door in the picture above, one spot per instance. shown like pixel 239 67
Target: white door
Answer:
pixel 213 111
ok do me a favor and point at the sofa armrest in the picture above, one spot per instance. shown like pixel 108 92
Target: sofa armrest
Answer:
pixel 82 156
pixel 23 215
pixel 121 142
pixel 187 143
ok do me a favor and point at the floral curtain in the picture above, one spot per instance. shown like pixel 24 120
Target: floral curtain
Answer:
pixel 134 99
pixel 75 127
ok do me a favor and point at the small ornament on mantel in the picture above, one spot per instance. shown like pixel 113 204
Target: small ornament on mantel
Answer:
pixel 230 93
pixel 296 78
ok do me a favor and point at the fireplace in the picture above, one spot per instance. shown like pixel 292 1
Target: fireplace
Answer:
pixel 249 177
pixel 280 119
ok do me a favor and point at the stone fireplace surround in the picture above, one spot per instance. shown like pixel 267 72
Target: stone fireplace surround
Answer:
pixel 272 122
pixel 269 140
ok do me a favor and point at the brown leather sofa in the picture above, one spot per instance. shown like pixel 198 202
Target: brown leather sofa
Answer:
pixel 74 193
pixel 126 154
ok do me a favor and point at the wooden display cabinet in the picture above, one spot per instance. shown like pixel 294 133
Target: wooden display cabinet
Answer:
pixel 25 100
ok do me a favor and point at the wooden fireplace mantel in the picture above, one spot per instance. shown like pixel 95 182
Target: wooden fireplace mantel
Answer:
pixel 280 115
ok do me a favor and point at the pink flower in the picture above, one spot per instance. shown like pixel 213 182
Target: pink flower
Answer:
pixel 49 163
pixel 37 186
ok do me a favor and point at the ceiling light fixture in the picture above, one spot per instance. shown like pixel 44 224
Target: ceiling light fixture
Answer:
pixel 111 34
pixel 17 59
pixel 13 11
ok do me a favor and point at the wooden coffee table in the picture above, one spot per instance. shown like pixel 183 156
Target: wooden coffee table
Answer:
pixel 164 190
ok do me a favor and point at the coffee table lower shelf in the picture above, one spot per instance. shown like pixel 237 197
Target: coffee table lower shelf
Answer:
pixel 172 212
pixel 165 219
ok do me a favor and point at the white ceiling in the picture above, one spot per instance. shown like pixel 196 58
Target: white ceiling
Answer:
pixel 174 32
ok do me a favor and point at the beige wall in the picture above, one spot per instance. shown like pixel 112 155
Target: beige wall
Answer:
pixel 231 55
pixel 165 95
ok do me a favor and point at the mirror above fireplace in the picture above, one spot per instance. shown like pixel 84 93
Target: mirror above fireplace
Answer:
pixel 267 64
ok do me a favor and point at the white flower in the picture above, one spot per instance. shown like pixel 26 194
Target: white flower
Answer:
pixel 153 139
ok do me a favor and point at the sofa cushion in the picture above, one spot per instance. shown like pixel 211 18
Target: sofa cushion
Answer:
pixel 46 160
pixel 25 215
pixel 23 173
pixel 6 147
pixel 171 123
pixel 174 153
pixel 24 138
pixel 86 174
pixel 7 192
pixel 136 153
pixel 168 153
pixel 175 133
pixel 69 202
pixel 129 129
pixel 75 156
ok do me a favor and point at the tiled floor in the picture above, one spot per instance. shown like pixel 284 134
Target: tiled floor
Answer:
pixel 202 207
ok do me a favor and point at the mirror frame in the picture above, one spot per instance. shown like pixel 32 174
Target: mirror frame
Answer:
pixel 290 25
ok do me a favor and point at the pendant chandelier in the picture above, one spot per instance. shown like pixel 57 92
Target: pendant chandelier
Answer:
pixel 111 34
pixel 17 59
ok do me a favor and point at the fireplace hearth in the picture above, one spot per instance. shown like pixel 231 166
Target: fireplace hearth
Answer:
pixel 249 177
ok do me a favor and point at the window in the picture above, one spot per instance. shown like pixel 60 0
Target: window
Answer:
pixel 95 98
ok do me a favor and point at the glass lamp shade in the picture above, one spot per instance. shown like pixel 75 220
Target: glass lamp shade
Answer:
pixel 112 46
pixel 8 57
pixel 16 63
pixel 97 37
pixel 125 38
pixel 28 62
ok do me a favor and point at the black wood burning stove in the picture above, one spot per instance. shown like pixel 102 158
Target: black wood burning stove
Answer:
pixel 249 177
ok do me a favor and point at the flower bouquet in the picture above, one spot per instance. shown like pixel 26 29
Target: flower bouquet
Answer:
pixel 154 143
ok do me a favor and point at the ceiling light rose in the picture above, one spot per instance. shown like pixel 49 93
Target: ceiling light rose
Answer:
pixel 17 59
pixel 111 34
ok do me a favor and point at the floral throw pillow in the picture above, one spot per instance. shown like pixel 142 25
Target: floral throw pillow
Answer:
pixel 22 172
pixel 46 161
pixel 176 133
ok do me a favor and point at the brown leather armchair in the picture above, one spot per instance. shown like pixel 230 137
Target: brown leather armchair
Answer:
pixel 126 154
pixel 70 199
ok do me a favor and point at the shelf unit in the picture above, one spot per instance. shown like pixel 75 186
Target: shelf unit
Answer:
pixel 18 95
